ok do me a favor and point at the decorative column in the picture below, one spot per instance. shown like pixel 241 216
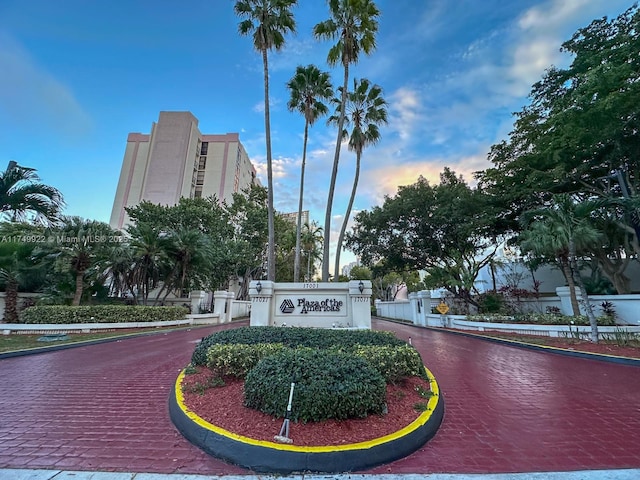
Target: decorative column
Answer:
pixel 230 298
pixel 261 295
pixel 220 305
pixel 424 300
pixel 198 299
pixel 565 300
pixel 360 298
pixel 415 308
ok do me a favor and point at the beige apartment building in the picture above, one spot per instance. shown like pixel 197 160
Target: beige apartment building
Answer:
pixel 175 160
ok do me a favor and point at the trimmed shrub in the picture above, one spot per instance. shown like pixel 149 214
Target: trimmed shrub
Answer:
pixel 392 362
pixel 541 319
pixel 328 385
pixel 237 359
pixel 293 337
pixel 62 314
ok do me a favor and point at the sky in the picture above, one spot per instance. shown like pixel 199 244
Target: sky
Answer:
pixel 77 76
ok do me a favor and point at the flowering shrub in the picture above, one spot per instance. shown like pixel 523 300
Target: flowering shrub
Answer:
pixel 540 319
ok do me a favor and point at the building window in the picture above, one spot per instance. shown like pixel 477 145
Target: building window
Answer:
pixel 202 164
pixel 204 148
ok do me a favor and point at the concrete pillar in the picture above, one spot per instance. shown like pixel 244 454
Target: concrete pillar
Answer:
pixel 261 295
pixel 377 303
pixel 415 308
pixel 424 300
pixel 360 298
pixel 230 298
pixel 565 300
pixel 198 300
pixel 220 305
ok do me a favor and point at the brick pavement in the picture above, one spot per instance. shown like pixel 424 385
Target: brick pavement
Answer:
pixel 104 407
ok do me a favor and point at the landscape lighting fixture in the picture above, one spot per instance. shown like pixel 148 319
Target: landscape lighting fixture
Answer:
pixel 259 286
pixel 361 286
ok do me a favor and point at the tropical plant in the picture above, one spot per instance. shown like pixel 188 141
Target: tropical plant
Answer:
pixel 22 196
pixel 267 21
pixel 311 240
pixel 562 230
pixel 353 24
pixel 309 87
pixel 365 110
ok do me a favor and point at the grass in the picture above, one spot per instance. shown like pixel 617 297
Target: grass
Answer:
pixel 13 342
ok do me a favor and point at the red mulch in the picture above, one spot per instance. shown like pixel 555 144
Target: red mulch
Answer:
pixel 223 407
pixel 570 344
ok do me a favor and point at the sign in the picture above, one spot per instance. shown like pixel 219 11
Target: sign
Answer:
pixel 309 303
pixel 443 308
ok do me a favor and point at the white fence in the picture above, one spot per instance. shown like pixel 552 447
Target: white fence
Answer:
pixel 419 305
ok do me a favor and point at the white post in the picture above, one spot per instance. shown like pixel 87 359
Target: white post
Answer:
pixel 230 298
pixel 360 297
pixel 261 295
pixel 415 308
pixel 424 299
pixel 198 298
pixel 219 304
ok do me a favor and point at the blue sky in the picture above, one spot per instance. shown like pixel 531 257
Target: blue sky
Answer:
pixel 76 77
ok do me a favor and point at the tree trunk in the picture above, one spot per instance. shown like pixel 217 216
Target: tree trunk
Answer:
pixel 11 302
pixel 345 220
pixel 614 271
pixel 296 262
pixel 593 322
pixel 332 183
pixel 568 275
pixel 271 247
pixel 79 287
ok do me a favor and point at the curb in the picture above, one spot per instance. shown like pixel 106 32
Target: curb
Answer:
pixel 634 362
pixel 270 457
pixel 65 346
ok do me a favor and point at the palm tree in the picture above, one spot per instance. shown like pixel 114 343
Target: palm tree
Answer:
pixel 561 230
pixel 309 86
pixel 354 25
pixel 268 21
pixel 149 247
pixel 365 110
pixel 312 237
pixel 22 195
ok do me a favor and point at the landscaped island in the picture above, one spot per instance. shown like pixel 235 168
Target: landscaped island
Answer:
pixel 356 392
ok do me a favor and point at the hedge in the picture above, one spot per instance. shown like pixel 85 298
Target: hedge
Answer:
pixel 237 359
pixel 328 385
pixel 63 314
pixel 294 337
pixel 541 319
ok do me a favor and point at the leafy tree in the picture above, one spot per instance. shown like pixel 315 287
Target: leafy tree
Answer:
pixel 309 87
pixel 448 230
pixel 562 230
pixel 353 24
pixel 267 21
pixel 579 134
pixel 22 196
pixel 365 110
pixel 360 273
pixel 311 241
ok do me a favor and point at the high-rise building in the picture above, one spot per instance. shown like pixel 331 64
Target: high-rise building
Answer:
pixel 175 160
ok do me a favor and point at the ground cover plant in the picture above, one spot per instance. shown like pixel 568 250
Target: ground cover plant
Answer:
pixel 339 374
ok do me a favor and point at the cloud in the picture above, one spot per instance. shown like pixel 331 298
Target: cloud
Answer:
pixel 32 98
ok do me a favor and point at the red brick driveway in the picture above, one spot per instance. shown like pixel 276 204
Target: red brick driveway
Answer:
pixel 104 407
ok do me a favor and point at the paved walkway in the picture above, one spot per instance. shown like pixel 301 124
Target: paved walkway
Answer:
pixel 104 408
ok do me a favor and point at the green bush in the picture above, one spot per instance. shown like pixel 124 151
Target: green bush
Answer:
pixel 62 314
pixel 541 319
pixel 293 337
pixel 392 362
pixel 328 385
pixel 236 360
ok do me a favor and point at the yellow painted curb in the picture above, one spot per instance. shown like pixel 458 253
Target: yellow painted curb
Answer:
pixel 417 423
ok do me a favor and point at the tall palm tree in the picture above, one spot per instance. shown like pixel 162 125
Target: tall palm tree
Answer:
pixel 354 24
pixel 308 87
pixel 312 238
pixel 365 109
pixel 267 21
pixel 562 230
pixel 149 250
pixel 22 195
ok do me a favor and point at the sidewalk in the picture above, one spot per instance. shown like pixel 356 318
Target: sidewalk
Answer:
pixel 59 475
